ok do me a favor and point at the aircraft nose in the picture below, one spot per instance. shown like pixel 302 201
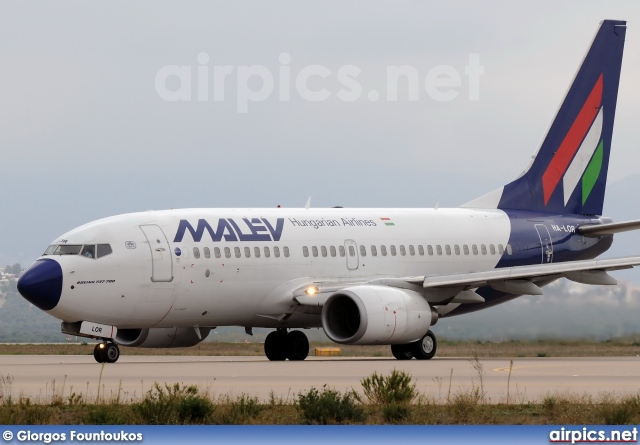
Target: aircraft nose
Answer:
pixel 41 284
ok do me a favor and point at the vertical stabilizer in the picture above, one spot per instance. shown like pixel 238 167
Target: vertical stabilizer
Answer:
pixel 569 172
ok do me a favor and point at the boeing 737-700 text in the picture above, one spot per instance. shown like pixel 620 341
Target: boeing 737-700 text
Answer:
pixel 366 276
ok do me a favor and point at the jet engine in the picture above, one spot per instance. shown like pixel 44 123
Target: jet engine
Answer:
pixel 161 337
pixel 376 315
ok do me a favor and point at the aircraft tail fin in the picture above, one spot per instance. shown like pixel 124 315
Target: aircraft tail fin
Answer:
pixel 569 172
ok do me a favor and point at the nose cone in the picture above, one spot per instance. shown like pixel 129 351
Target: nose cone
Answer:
pixel 41 284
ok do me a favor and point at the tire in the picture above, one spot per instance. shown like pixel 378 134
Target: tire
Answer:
pixel 402 352
pixel 96 353
pixel 425 348
pixel 111 353
pixel 297 345
pixel 275 346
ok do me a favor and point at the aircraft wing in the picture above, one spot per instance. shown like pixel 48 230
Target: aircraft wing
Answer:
pixel 520 279
pixel 515 280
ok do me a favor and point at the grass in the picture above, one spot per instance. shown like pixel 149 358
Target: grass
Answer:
pixel 389 399
pixel 529 348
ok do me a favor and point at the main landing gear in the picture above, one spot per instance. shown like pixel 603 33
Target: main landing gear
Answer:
pixel 423 349
pixel 106 352
pixel 281 345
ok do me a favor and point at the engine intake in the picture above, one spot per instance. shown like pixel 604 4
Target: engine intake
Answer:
pixel 373 315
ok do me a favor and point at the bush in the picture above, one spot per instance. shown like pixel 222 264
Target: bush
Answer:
pixel 173 405
pixel 107 415
pixel 394 389
pixel 241 410
pixel 328 406
pixel 396 413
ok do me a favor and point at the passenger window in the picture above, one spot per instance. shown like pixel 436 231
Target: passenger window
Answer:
pixel 227 252
pixel 88 251
pixel 314 250
pixel 256 252
pixel 475 249
pixel 352 251
pixel 500 249
pixel 196 253
pixel 207 252
pixel 374 251
pixel 403 252
pixel 456 249
pixel 267 253
pixel 484 249
pixel 332 249
pixel 412 250
pixel 438 249
pixel 323 250
pixel 286 252
pixel 383 250
pixel 421 250
pixel 216 252
pixel 492 249
pixel 447 249
pixel 430 249
pixel 465 248
pixel 236 250
pixel 305 251
pixel 509 250
pixel 276 251
pixel 247 252
pixel 363 250
pixel 341 249
pixel 393 250
pixel 104 250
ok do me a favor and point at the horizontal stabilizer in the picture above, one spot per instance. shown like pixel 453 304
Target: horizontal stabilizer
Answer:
pixel 609 229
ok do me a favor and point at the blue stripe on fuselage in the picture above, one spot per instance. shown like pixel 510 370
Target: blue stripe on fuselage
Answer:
pixel 527 248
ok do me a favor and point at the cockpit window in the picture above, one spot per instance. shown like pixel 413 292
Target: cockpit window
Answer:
pixel 89 251
pixel 104 250
pixel 67 249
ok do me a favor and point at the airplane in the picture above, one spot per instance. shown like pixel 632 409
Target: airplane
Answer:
pixel 163 279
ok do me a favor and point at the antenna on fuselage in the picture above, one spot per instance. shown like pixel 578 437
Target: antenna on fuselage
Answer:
pixel 308 204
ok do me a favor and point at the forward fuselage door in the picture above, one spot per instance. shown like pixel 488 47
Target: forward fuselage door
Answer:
pixel 352 254
pixel 161 259
pixel 545 243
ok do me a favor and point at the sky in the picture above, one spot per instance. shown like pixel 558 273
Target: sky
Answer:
pixel 87 130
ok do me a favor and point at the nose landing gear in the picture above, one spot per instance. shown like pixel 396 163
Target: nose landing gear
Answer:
pixel 107 352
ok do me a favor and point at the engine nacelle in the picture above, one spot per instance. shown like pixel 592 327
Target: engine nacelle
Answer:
pixel 160 337
pixel 376 315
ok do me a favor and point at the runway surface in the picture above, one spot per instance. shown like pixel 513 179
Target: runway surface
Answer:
pixel 40 377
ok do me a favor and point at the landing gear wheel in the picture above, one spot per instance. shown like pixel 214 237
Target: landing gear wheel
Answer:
pixel 106 353
pixel 425 348
pixel 97 353
pixel 297 345
pixel 402 352
pixel 111 353
pixel 275 346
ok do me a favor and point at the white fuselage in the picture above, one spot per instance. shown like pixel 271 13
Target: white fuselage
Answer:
pixel 155 279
